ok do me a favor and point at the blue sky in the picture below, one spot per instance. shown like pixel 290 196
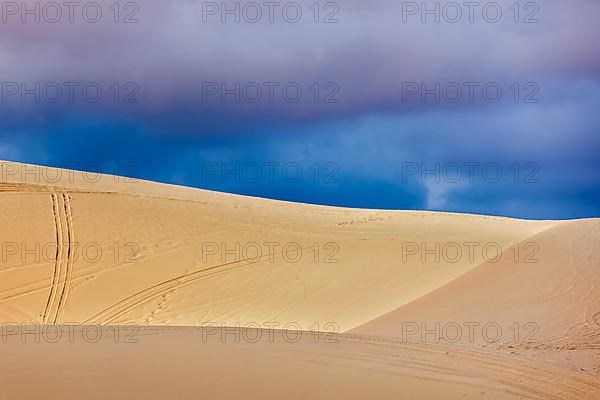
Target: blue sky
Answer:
pixel 381 109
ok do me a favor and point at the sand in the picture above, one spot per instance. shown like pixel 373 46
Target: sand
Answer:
pixel 409 304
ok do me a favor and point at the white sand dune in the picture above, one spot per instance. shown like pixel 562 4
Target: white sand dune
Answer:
pixel 101 250
pixel 559 294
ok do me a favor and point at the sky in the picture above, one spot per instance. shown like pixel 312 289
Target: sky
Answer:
pixel 476 107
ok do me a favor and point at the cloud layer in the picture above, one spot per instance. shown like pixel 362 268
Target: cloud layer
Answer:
pixel 384 88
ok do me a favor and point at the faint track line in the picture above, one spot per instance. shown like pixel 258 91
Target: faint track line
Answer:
pixel 122 307
pixel 143 296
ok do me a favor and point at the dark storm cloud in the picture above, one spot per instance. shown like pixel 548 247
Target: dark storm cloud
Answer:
pixel 363 108
pixel 369 61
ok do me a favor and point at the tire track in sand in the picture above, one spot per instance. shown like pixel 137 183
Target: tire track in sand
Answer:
pixel 70 259
pixel 57 261
pixel 63 265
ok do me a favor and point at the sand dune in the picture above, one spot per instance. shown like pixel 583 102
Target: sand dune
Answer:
pixel 99 249
pixel 559 294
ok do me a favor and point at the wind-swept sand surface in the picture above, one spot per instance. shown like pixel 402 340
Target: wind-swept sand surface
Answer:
pixel 409 304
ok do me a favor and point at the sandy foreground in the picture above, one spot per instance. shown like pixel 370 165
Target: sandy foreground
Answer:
pixel 115 287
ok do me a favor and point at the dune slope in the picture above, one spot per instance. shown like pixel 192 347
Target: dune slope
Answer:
pixel 559 293
pixel 157 254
